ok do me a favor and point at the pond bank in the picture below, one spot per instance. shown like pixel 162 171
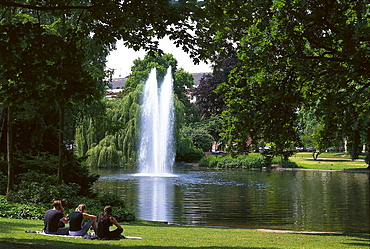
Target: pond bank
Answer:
pixel 195 166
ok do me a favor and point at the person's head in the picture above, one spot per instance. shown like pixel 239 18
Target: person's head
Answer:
pixel 108 210
pixel 81 208
pixel 57 204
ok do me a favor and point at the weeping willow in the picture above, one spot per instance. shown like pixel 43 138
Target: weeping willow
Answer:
pixel 112 139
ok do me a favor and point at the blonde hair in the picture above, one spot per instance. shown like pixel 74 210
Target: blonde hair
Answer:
pixel 81 208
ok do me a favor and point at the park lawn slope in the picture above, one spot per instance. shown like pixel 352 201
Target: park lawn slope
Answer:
pixel 328 164
pixel 159 235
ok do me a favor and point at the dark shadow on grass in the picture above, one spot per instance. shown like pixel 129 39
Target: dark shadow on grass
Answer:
pixel 359 239
pixel 47 244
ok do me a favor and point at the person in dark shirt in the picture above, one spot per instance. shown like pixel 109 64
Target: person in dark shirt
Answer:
pixel 106 220
pixel 76 221
pixel 55 220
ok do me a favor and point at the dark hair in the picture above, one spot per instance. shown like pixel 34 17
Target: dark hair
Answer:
pixel 57 204
pixel 107 210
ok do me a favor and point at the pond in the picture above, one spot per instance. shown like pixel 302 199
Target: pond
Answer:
pixel 291 200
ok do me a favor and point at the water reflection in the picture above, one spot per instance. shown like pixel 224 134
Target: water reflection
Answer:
pixel 297 200
pixel 155 197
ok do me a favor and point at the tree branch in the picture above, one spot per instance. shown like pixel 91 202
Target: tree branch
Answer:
pixel 33 7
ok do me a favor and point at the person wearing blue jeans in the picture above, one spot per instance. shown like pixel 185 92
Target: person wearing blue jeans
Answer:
pixel 76 221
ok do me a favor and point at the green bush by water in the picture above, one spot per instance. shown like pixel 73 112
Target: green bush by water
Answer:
pixel 239 162
pixel 250 161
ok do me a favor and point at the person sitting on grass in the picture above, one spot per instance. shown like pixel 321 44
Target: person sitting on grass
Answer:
pixel 55 220
pixel 76 221
pixel 106 220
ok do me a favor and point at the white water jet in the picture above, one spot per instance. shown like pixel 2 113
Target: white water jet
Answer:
pixel 156 139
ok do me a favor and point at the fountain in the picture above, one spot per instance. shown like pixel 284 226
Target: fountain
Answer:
pixel 156 141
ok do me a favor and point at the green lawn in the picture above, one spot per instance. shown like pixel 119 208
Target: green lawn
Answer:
pixel 158 235
pixel 336 155
pixel 327 161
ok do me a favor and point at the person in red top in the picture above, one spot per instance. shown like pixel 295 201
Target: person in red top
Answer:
pixel 106 220
pixel 55 220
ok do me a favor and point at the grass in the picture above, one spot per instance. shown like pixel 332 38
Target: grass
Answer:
pixel 159 235
pixel 336 155
pixel 327 161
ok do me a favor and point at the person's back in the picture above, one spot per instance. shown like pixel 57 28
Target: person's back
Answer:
pixel 55 220
pixel 75 221
pixel 106 220
pixel 51 220
pixel 103 225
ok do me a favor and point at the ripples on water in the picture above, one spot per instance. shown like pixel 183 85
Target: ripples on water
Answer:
pixel 299 200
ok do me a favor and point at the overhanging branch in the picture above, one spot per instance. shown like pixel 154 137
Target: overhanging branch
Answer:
pixel 34 7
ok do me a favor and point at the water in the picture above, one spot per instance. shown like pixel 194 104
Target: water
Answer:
pixel 156 150
pixel 293 200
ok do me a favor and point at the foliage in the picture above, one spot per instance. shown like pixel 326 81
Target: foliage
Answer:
pixel 110 139
pixel 200 138
pixel 53 58
pixel 3 181
pixel 186 150
pixel 36 182
pixel 20 211
pixel 40 168
pixel 209 101
pixel 240 162
pixel 41 192
pixel 293 54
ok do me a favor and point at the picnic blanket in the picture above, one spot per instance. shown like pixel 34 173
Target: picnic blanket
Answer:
pixel 86 236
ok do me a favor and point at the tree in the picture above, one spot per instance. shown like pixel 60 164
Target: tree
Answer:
pixel 294 54
pixel 80 32
pixel 207 99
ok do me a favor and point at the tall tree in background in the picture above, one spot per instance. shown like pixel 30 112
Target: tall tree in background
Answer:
pixel 209 101
pixel 293 53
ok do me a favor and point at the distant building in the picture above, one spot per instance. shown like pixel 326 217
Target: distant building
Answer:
pixel 116 85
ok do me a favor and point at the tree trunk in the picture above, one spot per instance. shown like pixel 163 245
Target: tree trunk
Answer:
pixel 61 146
pixel 10 151
pixel 355 145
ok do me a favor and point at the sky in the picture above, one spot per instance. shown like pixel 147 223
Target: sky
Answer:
pixel 122 59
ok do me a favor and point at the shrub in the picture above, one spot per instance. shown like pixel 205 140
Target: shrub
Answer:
pixel 122 214
pixel 42 192
pixel 288 164
pixel 42 167
pixel 20 211
pixel 242 161
pixel 111 200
